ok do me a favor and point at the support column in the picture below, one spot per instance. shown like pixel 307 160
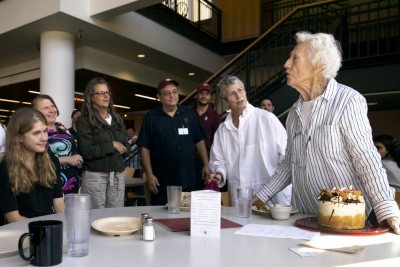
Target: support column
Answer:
pixel 57 71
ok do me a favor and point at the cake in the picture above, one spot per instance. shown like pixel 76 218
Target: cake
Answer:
pixel 341 209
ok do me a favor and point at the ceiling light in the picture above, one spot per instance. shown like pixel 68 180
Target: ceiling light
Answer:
pixel 141 55
pixel 125 115
pixel 38 93
pixel 26 103
pixel 191 73
pixel 4 110
pixel 3 116
pixel 372 103
pixel 147 97
pixel 382 93
pixel 124 107
pixel 9 100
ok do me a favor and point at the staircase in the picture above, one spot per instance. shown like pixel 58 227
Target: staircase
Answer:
pixel 369 32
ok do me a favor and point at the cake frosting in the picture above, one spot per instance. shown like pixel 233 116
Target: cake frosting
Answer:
pixel 341 209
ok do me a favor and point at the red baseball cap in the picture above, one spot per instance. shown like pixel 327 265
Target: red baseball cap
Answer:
pixel 165 82
pixel 204 86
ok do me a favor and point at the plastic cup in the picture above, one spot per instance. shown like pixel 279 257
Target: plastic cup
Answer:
pixel 77 213
pixel 174 199
pixel 244 199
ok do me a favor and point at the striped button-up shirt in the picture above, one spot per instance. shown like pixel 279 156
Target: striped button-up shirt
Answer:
pixel 334 150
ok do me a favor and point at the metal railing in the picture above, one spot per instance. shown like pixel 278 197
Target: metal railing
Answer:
pixel 366 30
pixel 272 12
pixel 201 13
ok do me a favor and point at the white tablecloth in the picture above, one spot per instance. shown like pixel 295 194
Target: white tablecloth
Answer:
pixel 178 249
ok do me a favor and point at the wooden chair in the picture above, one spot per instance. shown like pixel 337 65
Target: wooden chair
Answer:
pixel 129 171
pixel 135 183
pixel 226 199
pixel 397 198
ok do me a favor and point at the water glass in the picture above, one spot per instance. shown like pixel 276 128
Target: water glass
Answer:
pixel 77 213
pixel 174 199
pixel 244 199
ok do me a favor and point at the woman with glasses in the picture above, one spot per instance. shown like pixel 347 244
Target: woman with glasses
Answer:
pixel 103 144
pixel 61 143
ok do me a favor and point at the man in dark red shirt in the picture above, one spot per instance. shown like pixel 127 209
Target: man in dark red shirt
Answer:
pixel 210 120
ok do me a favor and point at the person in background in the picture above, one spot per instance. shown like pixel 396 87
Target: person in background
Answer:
pixel 104 146
pixel 62 144
pixel 132 137
pixel 30 183
pixel 387 147
pixel 133 159
pixel 168 138
pixel 329 136
pixel 248 146
pixel 2 140
pixel 210 120
pixel 74 118
pixel 266 104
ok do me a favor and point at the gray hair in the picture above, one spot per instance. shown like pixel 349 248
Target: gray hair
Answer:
pixel 90 110
pixel 226 82
pixel 324 51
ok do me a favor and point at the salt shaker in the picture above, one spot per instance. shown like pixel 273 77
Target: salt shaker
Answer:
pixel 148 230
pixel 142 221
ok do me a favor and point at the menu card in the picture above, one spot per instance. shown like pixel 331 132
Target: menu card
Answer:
pixel 205 213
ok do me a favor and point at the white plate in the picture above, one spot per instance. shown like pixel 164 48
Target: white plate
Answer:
pixel 9 242
pixel 117 226
pixel 256 210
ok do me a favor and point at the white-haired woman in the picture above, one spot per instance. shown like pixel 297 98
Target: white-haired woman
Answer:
pixel 329 135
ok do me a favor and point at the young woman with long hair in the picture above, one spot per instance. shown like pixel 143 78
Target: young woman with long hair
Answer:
pixel 30 184
pixel 103 144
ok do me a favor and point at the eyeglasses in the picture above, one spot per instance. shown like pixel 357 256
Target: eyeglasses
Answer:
pixel 240 91
pixel 102 93
pixel 168 93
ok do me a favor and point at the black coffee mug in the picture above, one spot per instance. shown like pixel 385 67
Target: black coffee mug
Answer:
pixel 45 243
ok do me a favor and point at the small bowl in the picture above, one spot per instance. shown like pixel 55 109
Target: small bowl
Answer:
pixel 280 212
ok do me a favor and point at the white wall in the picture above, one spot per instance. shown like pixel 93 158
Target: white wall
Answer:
pixel 16 13
pixel 27 71
pixel 136 27
pixel 100 61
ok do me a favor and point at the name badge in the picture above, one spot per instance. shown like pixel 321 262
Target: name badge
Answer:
pixel 183 131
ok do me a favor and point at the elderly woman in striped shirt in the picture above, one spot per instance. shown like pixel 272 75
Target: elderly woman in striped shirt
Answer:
pixel 329 135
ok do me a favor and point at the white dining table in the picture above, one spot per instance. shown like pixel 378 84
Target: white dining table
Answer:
pixel 179 249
